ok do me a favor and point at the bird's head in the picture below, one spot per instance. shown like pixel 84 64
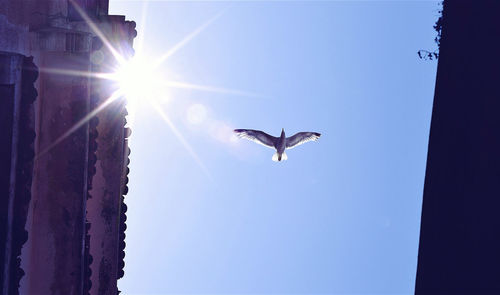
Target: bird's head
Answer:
pixel 282 131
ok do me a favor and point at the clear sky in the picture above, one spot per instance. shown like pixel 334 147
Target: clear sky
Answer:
pixel 342 215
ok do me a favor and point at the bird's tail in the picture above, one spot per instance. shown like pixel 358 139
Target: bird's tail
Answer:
pixel 277 158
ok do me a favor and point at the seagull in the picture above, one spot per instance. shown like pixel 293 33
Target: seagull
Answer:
pixel 278 143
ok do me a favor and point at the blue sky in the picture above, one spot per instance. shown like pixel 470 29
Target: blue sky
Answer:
pixel 342 215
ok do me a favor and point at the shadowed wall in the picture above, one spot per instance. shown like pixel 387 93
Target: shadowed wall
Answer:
pixel 49 229
pixel 459 251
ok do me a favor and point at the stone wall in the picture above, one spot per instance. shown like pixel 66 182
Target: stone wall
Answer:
pixel 68 206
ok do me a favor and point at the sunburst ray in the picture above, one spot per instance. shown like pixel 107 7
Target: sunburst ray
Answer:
pixel 188 38
pixel 139 42
pixel 80 123
pixel 181 138
pixel 75 73
pixel 98 32
pixel 183 85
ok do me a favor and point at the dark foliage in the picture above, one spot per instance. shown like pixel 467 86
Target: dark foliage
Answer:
pixel 432 55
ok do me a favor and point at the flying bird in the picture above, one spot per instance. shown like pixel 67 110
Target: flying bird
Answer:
pixel 278 143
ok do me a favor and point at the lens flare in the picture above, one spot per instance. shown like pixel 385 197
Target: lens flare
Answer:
pixel 196 114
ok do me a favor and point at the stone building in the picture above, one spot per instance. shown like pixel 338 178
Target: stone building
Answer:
pixel 63 165
pixel 459 251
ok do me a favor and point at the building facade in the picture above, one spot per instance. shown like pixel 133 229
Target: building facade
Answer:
pixel 460 226
pixel 63 165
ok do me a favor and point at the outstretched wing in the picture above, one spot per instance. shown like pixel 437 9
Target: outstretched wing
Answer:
pixel 300 138
pixel 257 136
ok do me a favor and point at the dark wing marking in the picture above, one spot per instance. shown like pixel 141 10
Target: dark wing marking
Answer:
pixel 257 136
pixel 300 138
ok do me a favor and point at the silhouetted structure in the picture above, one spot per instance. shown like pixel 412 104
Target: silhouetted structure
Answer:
pixel 459 250
pixel 62 216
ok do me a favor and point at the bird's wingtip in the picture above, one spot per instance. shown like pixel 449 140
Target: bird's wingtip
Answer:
pixel 239 132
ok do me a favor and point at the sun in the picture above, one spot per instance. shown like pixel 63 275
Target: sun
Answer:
pixel 139 81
